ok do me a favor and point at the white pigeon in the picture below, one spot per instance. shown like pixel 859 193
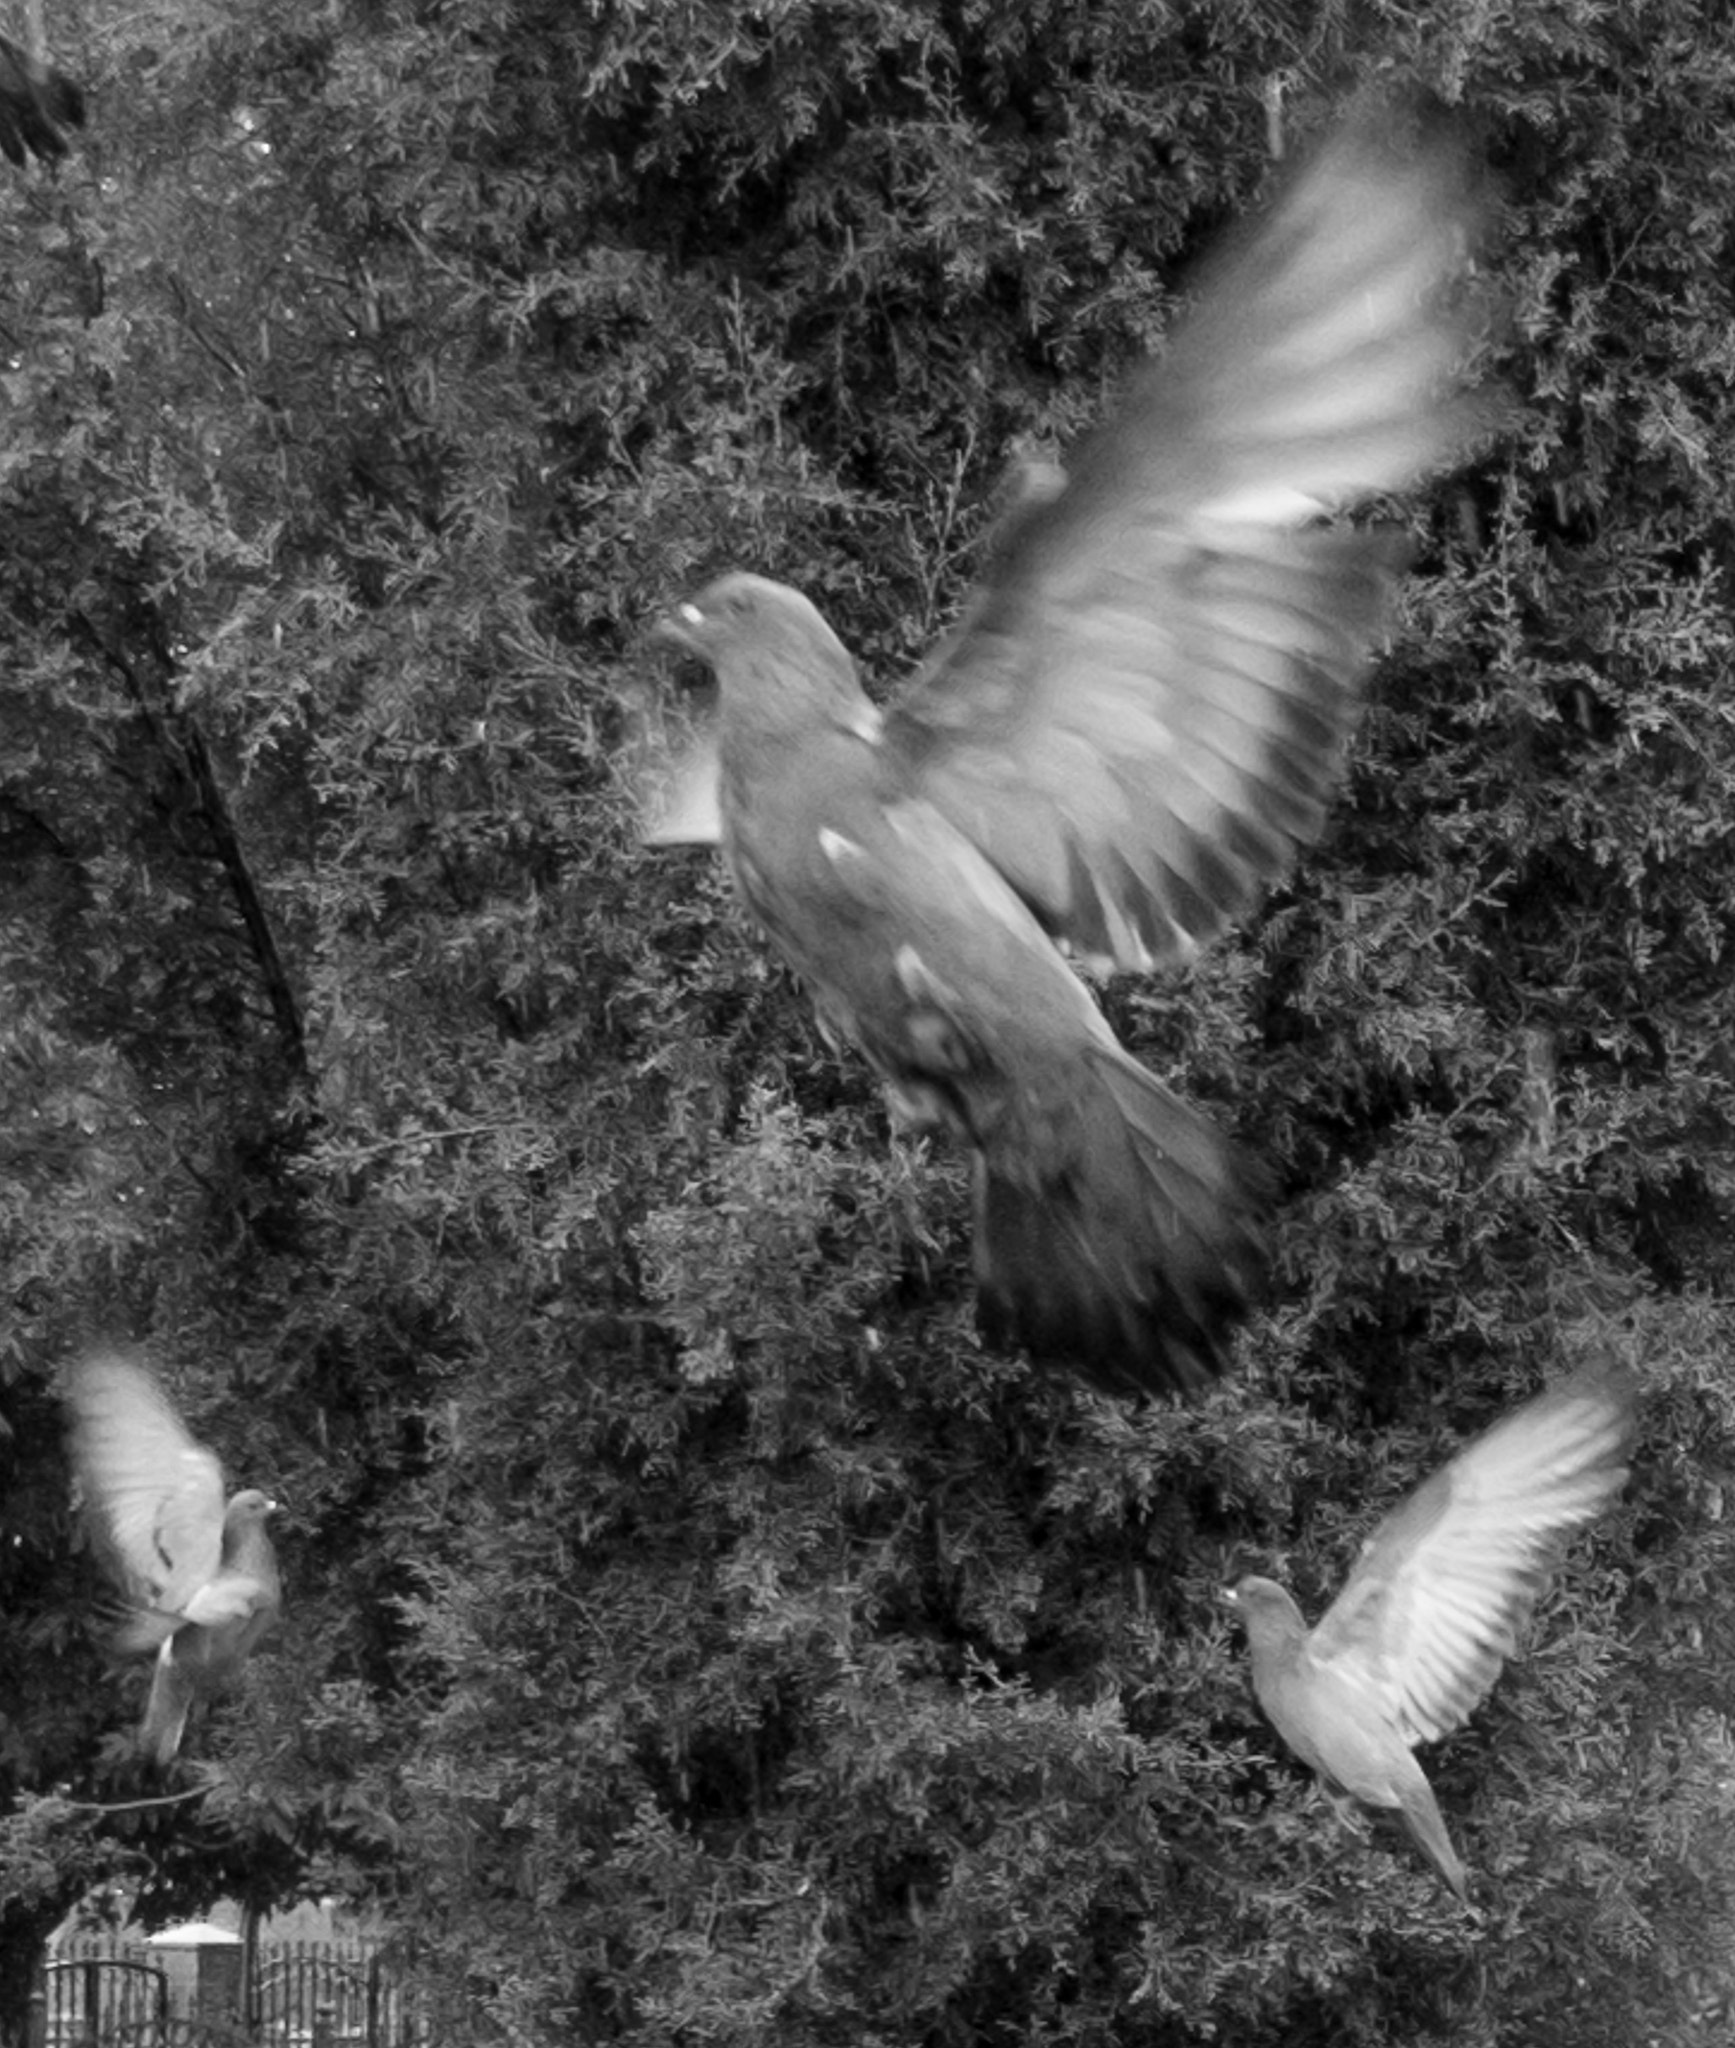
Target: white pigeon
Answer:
pixel 1433 1606
pixel 199 1576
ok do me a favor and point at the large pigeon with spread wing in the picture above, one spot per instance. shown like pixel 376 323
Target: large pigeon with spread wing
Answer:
pixel 1433 1606
pixel 199 1575
pixel 37 106
pixel 1141 715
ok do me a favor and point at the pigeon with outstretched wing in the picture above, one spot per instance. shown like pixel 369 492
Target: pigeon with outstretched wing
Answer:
pixel 1139 719
pixel 198 1573
pixel 1433 1606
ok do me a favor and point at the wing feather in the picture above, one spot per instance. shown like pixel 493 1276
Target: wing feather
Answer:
pixel 1132 635
pixel 1434 1605
pixel 37 103
pixel 155 1494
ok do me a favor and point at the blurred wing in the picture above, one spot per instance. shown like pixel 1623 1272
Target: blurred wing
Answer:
pixel 1145 707
pixel 235 1597
pixel 687 810
pixel 673 772
pixel 1433 1607
pixel 36 104
pixel 156 1494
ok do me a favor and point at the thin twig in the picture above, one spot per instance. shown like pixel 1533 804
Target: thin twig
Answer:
pixel 137 1805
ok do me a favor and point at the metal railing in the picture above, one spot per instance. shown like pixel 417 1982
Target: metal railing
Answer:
pixel 106 1992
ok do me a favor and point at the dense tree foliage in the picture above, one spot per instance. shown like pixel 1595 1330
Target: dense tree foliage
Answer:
pixel 694 1635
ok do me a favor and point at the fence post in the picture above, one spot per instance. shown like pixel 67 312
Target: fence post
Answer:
pixel 90 1983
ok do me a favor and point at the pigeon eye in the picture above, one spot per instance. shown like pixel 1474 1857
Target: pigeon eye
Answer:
pixel 692 614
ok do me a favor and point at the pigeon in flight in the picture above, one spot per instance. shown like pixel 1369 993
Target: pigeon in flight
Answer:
pixel 1433 1606
pixel 199 1576
pixel 1141 715
pixel 37 105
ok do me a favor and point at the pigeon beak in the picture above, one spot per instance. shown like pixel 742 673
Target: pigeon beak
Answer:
pixel 683 628
pixel 1229 1596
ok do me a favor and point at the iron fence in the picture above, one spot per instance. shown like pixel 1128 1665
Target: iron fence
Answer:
pixel 107 1992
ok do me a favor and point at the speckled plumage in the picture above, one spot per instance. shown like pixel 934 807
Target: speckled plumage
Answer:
pixel 1140 716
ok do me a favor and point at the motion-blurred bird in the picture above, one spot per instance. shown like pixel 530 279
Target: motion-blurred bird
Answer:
pixel 199 1578
pixel 1138 720
pixel 1433 1606
pixel 37 105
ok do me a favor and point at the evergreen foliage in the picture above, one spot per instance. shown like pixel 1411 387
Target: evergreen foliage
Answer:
pixel 693 1635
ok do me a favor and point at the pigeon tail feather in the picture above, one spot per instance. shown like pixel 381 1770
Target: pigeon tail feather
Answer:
pixel 1421 1812
pixel 165 1722
pixel 1128 1245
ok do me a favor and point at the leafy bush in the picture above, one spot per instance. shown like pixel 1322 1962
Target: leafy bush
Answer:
pixel 695 1635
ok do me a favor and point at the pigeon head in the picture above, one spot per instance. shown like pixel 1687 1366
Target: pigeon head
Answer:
pixel 777 663
pixel 250 1505
pixel 1264 1606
